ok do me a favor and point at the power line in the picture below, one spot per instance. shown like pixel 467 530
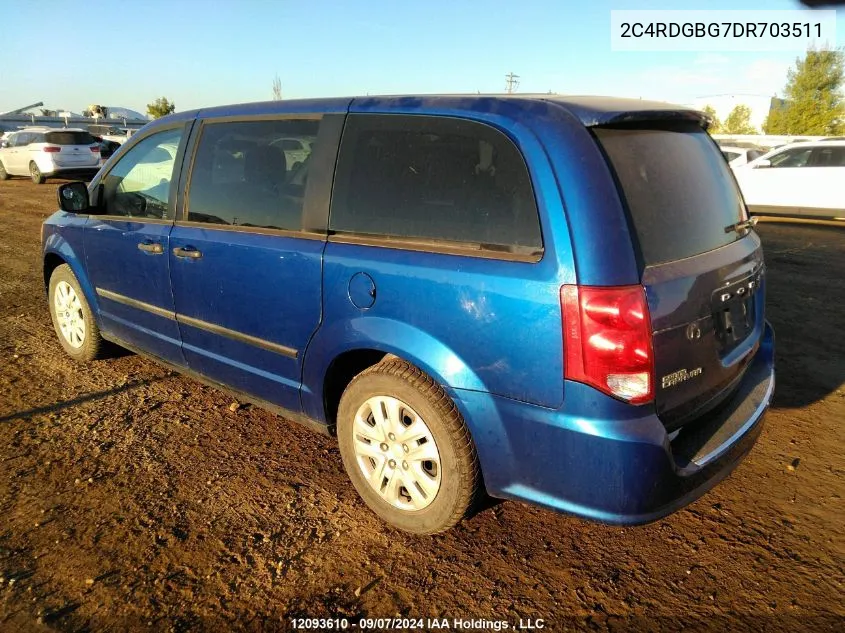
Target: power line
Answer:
pixel 511 83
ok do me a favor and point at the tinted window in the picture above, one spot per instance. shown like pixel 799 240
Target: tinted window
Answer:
pixel 797 157
pixel 433 178
pixel 70 138
pixel 243 177
pixel 679 191
pixel 729 156
pixel 139 184
pixel 22 139
pixel 829 157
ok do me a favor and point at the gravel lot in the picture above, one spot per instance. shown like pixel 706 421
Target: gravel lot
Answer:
pixel 133 498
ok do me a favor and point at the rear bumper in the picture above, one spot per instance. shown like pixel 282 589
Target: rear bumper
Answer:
pixel 608 461
pixel 51 169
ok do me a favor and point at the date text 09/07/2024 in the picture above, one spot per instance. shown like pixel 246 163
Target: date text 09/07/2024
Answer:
pixel 410 624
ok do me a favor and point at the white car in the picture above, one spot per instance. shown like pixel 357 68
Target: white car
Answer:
pixel 802 179
pixel 739 156
pixel 296 149
pixel 42 152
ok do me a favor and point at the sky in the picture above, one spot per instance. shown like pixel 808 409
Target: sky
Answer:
pixel 215 52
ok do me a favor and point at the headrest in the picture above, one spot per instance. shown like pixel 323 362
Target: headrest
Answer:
pixel 265 164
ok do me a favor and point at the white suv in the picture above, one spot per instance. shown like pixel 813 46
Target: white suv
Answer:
pixel 42 152
pixel 802 179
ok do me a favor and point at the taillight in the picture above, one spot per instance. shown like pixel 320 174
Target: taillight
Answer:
pixel 95 149
pixel 607 340
pixel 52 149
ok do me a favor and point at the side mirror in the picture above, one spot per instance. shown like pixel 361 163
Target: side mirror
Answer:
pixel 762 163
pixel 73 197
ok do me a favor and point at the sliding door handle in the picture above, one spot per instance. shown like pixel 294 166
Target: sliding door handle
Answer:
pixel 188 251
pixel 151 247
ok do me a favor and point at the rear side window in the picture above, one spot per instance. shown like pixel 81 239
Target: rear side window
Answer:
pixel 829 157
pixel 70 138
pixel 678 189
pixel 245 175
pixel 434 178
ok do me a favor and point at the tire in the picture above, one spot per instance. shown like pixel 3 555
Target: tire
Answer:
pixel 455 473
pixel 90 345
pixel 3 173
pixel 36 175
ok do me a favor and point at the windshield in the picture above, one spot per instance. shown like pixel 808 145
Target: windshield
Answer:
pixel 678 189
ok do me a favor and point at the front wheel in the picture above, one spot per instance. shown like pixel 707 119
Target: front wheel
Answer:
pixel 407 449
pixel 36 175
pixel 72 317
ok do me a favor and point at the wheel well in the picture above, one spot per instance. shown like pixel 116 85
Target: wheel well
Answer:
pixel 341 372
pixel 51 262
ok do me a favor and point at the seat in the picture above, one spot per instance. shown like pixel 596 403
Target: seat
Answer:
pixel 266 166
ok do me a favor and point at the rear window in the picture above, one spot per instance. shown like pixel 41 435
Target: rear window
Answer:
pixel 70 138
pixel 677 187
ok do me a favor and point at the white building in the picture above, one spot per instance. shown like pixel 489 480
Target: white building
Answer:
pixel 724 104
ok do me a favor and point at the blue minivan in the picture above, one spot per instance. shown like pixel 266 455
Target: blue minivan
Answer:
pixel 557 300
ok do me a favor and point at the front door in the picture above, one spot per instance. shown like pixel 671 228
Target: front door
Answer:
pixel 15 156
pixel 778 187
pixel 246 262
pixel 127 245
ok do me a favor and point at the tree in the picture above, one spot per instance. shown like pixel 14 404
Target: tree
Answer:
pixel 739 121
pixel 715 124
pixel 815 104
pixel 160 107
pixel 277 89
pixel 774 124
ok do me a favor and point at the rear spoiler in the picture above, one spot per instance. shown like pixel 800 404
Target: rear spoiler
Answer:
pixel 648 116
pixel 610 111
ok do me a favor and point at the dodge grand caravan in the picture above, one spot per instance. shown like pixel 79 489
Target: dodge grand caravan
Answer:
pixel 549 299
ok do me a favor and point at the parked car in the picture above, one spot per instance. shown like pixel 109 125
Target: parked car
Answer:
pixel 107 148
pixel 41 153
pixel 557 300
pixel 802 179
pixel 738 156
pixel 296 149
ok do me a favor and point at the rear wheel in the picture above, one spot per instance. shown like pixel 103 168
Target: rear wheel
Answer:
pixel 3 174
pixel 37 177
pixel 72 317
pixel 407 449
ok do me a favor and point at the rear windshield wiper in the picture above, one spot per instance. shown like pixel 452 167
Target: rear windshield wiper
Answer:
pixel 745 225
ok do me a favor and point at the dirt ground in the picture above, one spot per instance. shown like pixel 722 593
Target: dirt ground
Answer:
pixel 133 498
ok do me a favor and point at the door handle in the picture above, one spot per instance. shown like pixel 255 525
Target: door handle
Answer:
pixel 151 247
pixel 188 251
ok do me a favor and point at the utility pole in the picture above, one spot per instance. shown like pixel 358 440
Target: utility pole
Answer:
pixel 511 83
